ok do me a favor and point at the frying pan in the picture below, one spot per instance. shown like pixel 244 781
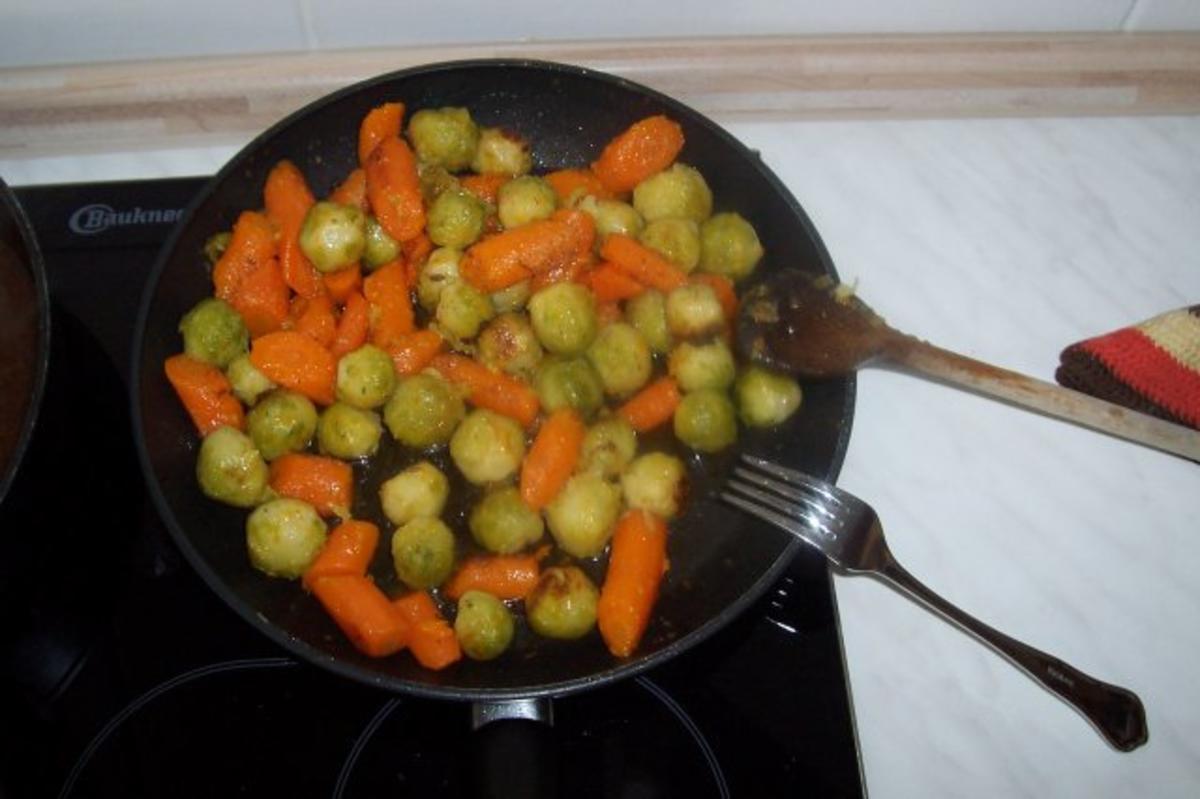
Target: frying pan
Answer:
pixel 720 560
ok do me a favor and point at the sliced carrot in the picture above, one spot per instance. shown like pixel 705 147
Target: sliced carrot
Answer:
pixel 414 351
pixel 297 361
pixel 552 457
pixel 394 189
pixel 363 613
pixel 325 483
pixel 205 393
pixel 642 263
pixel 416 607
pixel 251 245
pixel 353 325
pixel 644 148
pixel 262 298
pixel 314 317
pixel 381 122
pixel 502 576
pixel 288 199
pixel 611 284
pixel 635 568
pixel 416 251
pixel 723 288
pixel 485 187
pixel 653 405
pixel 348 550
pixel 341 284
pixel 573 184
pixel 387 292
pixel 431 639
pixel 507 258
pixel 570 271
pixel 495 391
pixel 352 190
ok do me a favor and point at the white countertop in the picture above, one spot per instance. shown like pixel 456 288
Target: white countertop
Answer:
pixel 1006 240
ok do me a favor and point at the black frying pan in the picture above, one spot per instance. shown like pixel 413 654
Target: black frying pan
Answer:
pixel 720 559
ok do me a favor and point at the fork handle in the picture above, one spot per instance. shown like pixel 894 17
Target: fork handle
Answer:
pixel 1115 712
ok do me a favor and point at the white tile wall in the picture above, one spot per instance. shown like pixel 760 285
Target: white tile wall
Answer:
pixel 1164 15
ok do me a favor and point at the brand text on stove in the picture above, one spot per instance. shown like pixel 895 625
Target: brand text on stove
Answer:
pixel 99 217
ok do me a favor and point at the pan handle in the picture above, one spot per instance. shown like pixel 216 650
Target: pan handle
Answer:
pixel 516 751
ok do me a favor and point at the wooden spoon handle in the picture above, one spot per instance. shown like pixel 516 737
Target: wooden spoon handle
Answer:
pixel 1047 398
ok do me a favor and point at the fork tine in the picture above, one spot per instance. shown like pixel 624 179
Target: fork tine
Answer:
pixel 794 478
pixel 803 494
pixel 792 510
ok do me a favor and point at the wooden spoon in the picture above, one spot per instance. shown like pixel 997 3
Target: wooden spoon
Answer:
pixel 807 326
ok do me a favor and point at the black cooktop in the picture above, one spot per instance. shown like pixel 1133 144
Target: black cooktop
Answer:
pixel 121 674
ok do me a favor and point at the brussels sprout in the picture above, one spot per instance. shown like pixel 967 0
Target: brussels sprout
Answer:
pixel 439 271
pixel 564 318
pixel 679 192
pixel 456 219
pixel 705 421
pixel 648 313
pixel 525 199
pixel 419 490
pixel 509 344
pixel 765 398
pixel 562 604
pixel 214 333
pixel 434 180
pixel 462 310
pixel 501 152
pixel 487 447
pixel 654 482
pixel 484 626
pixel 445 137
pixel 694 310
pixel 697 366
pixel 230 470
pixel 424 410
pixel 622 359
pixel 248 383
pixel 423 552
pixel 379 248
pixel 283 422
pixel 611 216
pixel 333 236
pixel 582 516
pixel 512 298
pixel 729 246
pixel 284 536
pixel 366 377
pixel 569 383
pixel 344 431
pixel 503 523
pixel 216 245
pixel 608 447
pixel 677 240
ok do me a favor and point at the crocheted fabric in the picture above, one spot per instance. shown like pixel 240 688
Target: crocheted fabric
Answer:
pixel 1152 367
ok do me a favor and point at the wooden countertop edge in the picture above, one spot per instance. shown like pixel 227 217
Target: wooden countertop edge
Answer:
pixel 221 100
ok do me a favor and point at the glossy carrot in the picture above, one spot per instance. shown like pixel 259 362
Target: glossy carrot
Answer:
pixel 363 613
pixel 573 270
pixel 381 122
pixel 315 318
pixel 551 459
pixel 652 406
pixel 394 189
pixel 495 391
pixel 574 184
pixel 325 483
pixel 611 284
pixel 431 639
pixel 352 190
pixel 635 568
pixel 341 284
pixel 416 607
pixel 642 263
pixel 294 360
pixel 723 288
pixel 502 576
pixel 507 258
pixel 485 187
pixel 353 325
pixel 205 393
pixel 414 351
pixel 348 550
pixel 644 148
pixel 416 251
pixel 262 298
pixel 288 199
pixel 251 244
pixel 387 291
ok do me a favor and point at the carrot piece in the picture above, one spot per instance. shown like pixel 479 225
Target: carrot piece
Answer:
pixel 381 122
pixel 416 251
pixel 353 325
pixel 652 406
pixel 502 576
pixel 611 284
pixel 723 288
pixel 352 190
pixel 414 351
pixel 288 198
pixel 485 187
pixel 348 550
pixel 314 317
pixel 394 189
pixel 205 393
pixel 325 483
pixel 645 147
pixel 431 639
pixel 552 457
pixel 495 391
pixel 262 298
pixel 386 289
pixel 642 263
pixel 251 245
pixel 416 607
pixel 504 259
pixel 363 613
pixel 573 184
pixel 297 361
pixel 635 569
pixel 568 272
pixel 341 284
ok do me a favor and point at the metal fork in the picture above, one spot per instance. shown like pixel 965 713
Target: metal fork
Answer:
pixel 847 531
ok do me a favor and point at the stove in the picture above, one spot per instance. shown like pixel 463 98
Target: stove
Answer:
pixel 124 675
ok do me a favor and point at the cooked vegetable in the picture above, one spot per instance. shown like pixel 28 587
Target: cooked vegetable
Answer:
pixel 563 604
pixel 489 389
pixel 284 537
pixel 381 122
pixel 282 422
pixel 635 569
pixel 653 405
pixel 525 199
pixel 676 193
pixel 333 236
pixel 430 638
pixel 439 271
pixel 205 393
pixel 314 317
pixel 513 298
pixel 345 431
pixel 394 189
pixel 288 200
pixel 420 490
pixel 363 613
pixel 655 482
pixel 647 312
pixel 569 383
pixel 501 152
pixel 353 326
pixel 642 263
pixel 487 447
pixel 341 284
pixel 365 377
pixel 379 247
pixel 729 246
pixel 612 216
pixel 581 517
pixel 413 352
pixel 325 483
pixel 552 458
pixel 509 344
pixel 572 185
pixel 456 219
pixel 502 523
pixel 387 292
pixel 502 576
pixel 765 398
pixel 230 470
pixel 251 244
pixel 697 366
pixel 621 358
pixel 644 148
pixel 723 288
pixel 352 190
pixel 247 382
pixel 608 447
pixel 511 256
pixel 424 410
pixel 484 627
pixel 446 137
pixel 215 246
pixel 694 311
pixel 348 550
pixel 609 284
pixel 462 310
pixel 423 552
pixel 564 318
pixel 214 333
pixel 293 360
pixel 706 421
pixel 677 240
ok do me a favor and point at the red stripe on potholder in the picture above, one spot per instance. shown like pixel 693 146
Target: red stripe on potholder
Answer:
pixel 1135 359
